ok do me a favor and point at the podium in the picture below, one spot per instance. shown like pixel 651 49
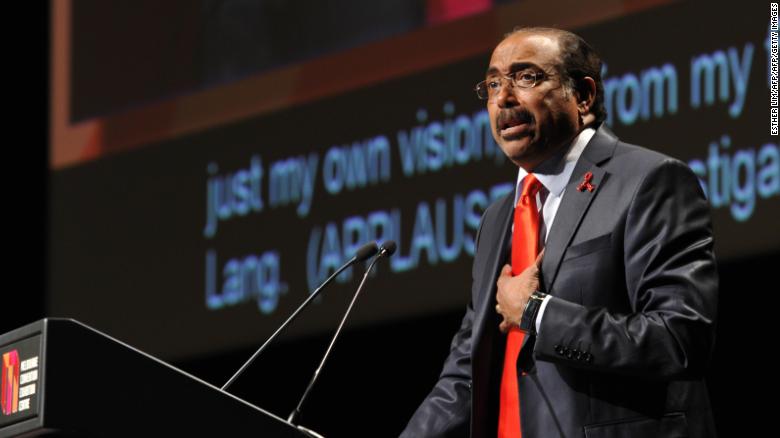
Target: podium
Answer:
pixel 61 377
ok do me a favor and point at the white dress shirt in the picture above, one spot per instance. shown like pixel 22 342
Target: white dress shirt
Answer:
pixel 554 174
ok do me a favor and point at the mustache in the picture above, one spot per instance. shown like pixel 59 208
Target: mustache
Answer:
pixel 507 116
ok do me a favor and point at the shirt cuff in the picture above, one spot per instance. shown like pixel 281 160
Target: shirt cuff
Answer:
pixel 538 322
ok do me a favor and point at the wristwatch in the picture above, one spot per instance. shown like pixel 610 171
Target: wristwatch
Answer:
pixel 528 320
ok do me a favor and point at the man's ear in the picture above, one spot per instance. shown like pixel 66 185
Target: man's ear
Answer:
pixel 586 94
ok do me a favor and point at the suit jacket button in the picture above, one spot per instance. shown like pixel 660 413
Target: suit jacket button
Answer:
pixel 588 357
pixel 560 350
pixel 569 353
pixel 578 355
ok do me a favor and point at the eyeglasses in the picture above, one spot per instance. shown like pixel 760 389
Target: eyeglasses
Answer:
pixel 490 88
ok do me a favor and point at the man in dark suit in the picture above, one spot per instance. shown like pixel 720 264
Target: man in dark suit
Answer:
pixel 617 313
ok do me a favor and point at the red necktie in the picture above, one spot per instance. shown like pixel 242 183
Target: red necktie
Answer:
pixel 525 245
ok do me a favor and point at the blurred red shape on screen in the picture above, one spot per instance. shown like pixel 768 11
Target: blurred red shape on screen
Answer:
pixel 441 11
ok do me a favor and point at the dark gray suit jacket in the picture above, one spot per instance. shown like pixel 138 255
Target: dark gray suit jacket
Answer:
pixel 625 340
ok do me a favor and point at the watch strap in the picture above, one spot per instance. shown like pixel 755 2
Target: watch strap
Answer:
pixel 528 320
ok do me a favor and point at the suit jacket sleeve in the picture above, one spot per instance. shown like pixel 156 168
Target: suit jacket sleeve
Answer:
pixel 446 411
pixel 671 282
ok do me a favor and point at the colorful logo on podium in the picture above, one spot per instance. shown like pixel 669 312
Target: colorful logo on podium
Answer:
pixel 9 398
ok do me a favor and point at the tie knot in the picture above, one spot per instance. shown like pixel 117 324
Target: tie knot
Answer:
pixel 531 185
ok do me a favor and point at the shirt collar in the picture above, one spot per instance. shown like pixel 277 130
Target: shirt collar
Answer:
pixel 554 172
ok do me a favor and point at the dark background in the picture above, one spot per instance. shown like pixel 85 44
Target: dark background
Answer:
pixel 127 249
pixel 376 369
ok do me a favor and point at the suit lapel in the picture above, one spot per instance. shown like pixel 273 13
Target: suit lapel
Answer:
pixel 573 206
pixel 575 203
pixel 496 237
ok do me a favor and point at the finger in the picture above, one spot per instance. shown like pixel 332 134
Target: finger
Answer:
pixel 506 270
pixel 504 326
pixel 539 258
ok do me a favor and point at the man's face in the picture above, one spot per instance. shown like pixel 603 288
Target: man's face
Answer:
pixel 530 124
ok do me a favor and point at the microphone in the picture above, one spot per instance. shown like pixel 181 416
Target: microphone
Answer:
pixel 388 249
pixel 362 254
